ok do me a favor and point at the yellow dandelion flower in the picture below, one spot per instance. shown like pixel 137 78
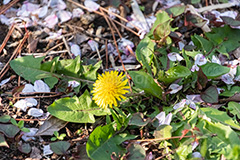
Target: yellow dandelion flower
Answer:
pixel 109 88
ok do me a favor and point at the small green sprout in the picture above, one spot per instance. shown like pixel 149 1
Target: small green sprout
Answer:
pixel 57 136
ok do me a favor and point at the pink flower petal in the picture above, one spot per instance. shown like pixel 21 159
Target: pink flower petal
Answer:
pixel 92 6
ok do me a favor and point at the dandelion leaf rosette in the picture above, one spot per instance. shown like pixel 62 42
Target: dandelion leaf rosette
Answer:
pixel 78 110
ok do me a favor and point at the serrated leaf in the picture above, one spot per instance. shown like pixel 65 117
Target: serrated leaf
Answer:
pixel 101 143
pixel 234 108
pixel 210 95
pixel 50 125
pixel 214 70
pixel 144 53
pixel 220 116
pixel 144 81
pixel 9 130
pixel 60 147
pixel 78 110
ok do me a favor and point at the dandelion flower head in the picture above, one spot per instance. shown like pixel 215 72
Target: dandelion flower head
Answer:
pixel 109 88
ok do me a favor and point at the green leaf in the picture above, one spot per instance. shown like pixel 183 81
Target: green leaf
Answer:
pixel 5 118
pixel 161 18
pixel 162 31
pixel 101 143
pixel 25 129
pixel 220 116
pixel 175 73
pixel 229 93
pixel 143 81
pixel 163 131
pixel 20 124
pixel 90 72
pixel 137 119
pixel 14 122
pixel 9 130
pixel 214 70
pixel 234 108
pixel 210 95
pixel 60 147
pixel 176 10
pixel 144 53
pixel 223 140
pixel 78 110
pixel 136 152
pixel 202 43
pixel 27 67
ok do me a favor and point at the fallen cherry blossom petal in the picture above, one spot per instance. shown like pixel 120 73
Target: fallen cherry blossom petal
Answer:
pixel 31 102
pixel 5 81
pixel 93 45
pixel 196 155
pixel 35 112
pixel 191 104
pixel 51 20
pixel 53 35
pixel 180 105
pixel 175 56
pixel 75 49
pixel 92 6
pixel 28 88
pixel 163 119
pixel 194 145
pixel 175 88
pixel 47 150
pixel 41 12
pixel 21 104
pixel 195 98
pixel 77 12
pixel 40 86
pixel 29 135
pixel 216 60
pixel 58 4
pixel 73 84
pixel 112 10
pixel 64 16
pixel 6 1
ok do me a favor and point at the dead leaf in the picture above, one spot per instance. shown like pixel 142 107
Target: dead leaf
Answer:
pixel 50 125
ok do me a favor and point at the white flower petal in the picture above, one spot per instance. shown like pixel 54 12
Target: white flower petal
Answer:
pixel 194 68
pixel 6 1
pixel 51 20
pixel 92 6
pixel 175 56
pixel 168 119
pixel 180 105
pixel 58 4
pixel 64 16
pixel 216 60
pixel 47 150
pixel 28 88
pixel 194 145
pixel 35 112
pixel 29 135
pixel 73 84
pixel 161 118
pixel 227 78
pixel 93 45
pixel 195 98
pixel 5 81
pixel 196 155
pixel 22 104
pixel 77 12
pixel 31 102
pixel 40 86
pixel 200 59
pixel 175 88
pixel 75 49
